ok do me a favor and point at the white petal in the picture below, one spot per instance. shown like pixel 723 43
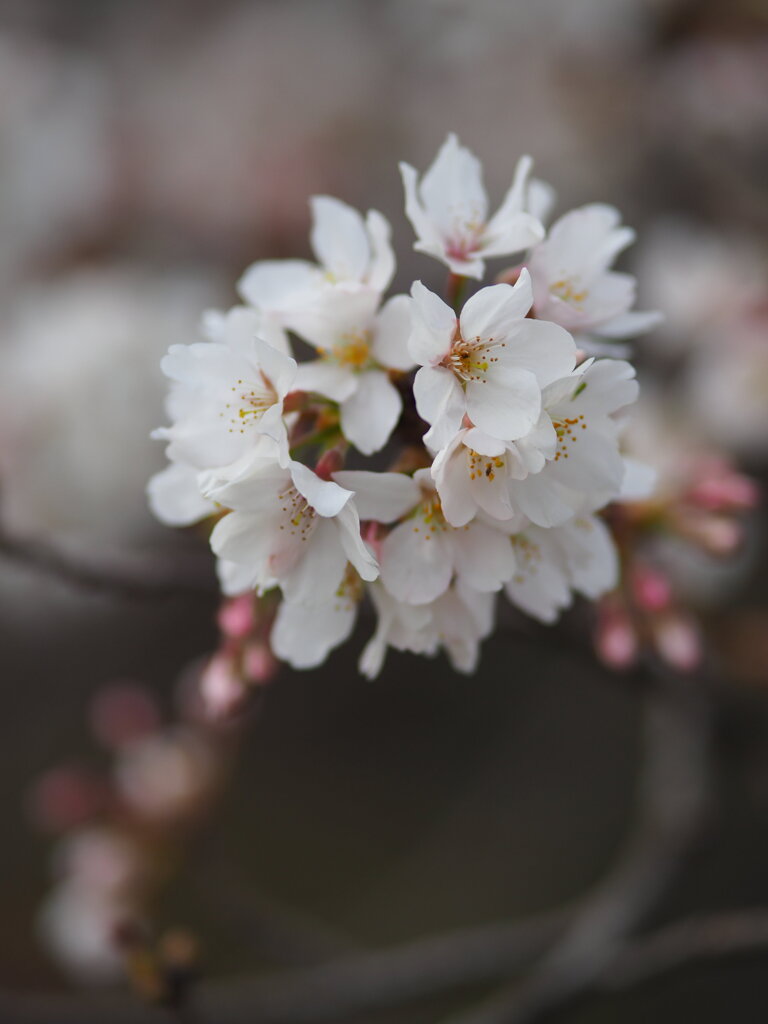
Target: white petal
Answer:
pixel 382 267
pixel 384 497
pixel 339 239
pixel 505 405
pixel 319 569
pixel 513 228
pixel 440 401
pixel 432 327
pixel 452 189
pixel 323 378
pixel 496 311
pixel 484 558
pixel 279 368
pixel 630 324
pixel 325 496
pixel 421 222
pixel 392 333
pixel 234 578
pixel 639 480
pixel 175 498
pixel 304 635
pixel 416 562
pixel 274 284
pixel 348 526
pixel 545 349
pixel 451 477
pixel 369 416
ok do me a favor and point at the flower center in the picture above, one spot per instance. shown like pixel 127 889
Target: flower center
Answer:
pixel 299 516
pixel 428 516
pixel 566 430
pixel 352 351
pixel 527 556
pixel 249 403
pixel 483 467
pixel 472 358
pixel 568 290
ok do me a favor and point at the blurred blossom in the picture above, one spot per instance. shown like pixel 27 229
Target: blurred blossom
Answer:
pixel 80 390
pixel 123 713
pixel 165 775
pixel 703 280
pixel 100 872
pixel 56 162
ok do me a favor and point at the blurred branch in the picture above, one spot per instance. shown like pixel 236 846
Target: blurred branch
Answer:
pixel 672 799
pixel 685 942
pixel 134 577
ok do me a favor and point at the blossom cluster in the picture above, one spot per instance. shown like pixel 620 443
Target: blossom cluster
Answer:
pixel 496 423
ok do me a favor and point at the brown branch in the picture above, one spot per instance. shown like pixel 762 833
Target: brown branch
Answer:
pixel 672 798
pixel 135 577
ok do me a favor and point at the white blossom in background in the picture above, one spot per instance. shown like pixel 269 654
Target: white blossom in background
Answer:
pixel 448 210
pixel 79 391
pixel 573 283
pixel 490 365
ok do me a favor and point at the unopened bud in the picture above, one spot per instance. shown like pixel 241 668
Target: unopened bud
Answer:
pixel 615 639
pixel 236 616
pixel 677 641
pixel 651 589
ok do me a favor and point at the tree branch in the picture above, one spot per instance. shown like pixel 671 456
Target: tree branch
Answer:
pixel 133 577
pixel 672 797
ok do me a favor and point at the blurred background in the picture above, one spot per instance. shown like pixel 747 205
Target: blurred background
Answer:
pixel 148 152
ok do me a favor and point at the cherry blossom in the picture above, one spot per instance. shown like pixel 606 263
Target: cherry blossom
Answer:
pixel 358 344
pixel 568 464
pixel 573 284
pixel 448 209
pixel 552 564
pixel 289 528
pixel 352 254
pixel 490 365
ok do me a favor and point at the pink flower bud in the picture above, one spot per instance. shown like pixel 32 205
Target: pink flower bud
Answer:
pixel 330 462
pixel 236 616
pixel 615 640
pixel 259 663
pixel 726 492
pixel 651 589
pixel 221 688
pixel 677 641
pixel 718 535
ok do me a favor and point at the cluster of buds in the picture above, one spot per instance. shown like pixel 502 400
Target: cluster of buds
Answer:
pixel 119 834
pixel 499 428
pixel 703 505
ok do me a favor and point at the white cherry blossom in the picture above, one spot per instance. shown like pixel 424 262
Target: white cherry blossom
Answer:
pixel 457 621
pixel 490 365
pixel 423 554
pixel 226 394
pixel 573 284
pixel 448 209
pixel 289 528
pixel 579 556
pixel 568 464
pixel 352 253
pixel 358 345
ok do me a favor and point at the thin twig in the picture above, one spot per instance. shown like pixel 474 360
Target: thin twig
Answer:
pixel 134 577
